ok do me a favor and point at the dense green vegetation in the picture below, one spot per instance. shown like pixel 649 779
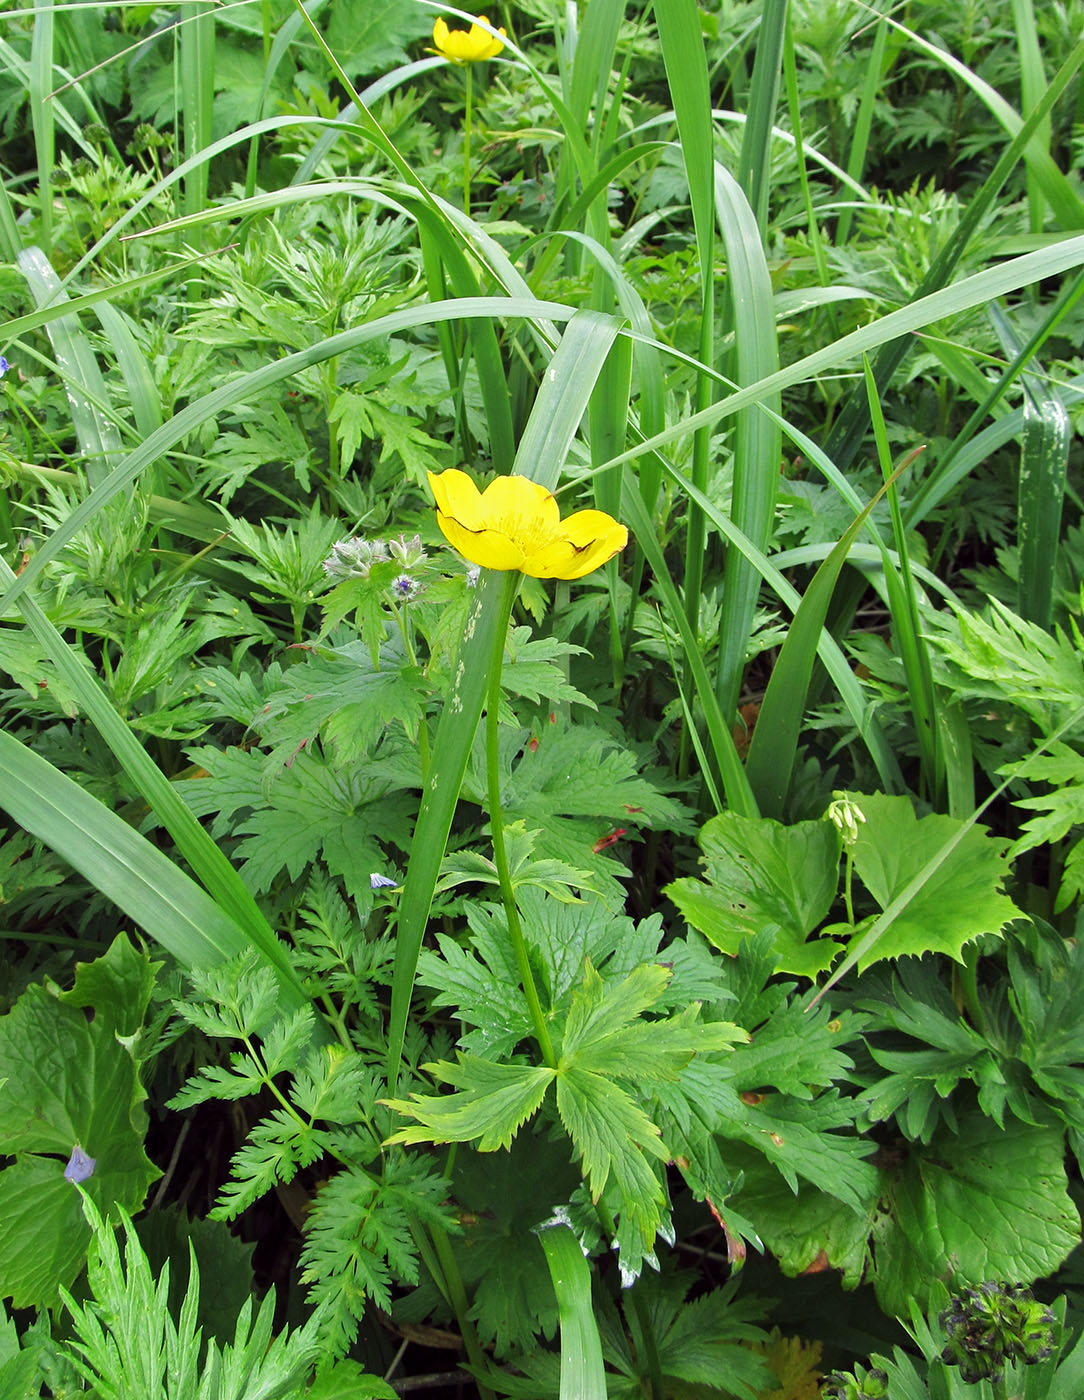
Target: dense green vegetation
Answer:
pixel 655 978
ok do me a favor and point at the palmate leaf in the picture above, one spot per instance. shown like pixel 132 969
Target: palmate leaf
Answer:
pixel 339 695
pixel 959 901
pixel 605 1032
pixel 493 1103
pixel 615 1136
pixel 309 809
pixel 525 869
pixel 761 875
pixel 606 1037
pixel 532 669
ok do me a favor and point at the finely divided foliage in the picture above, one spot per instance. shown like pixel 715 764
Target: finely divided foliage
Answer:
pixel 691 392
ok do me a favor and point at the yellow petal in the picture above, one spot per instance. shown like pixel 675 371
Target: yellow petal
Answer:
pixel 440 33
pixel 518 497
pixel 553 560
pixel 484 44
pixel 457 496
pixel 489 548
pixel 584 543
pixel 588 525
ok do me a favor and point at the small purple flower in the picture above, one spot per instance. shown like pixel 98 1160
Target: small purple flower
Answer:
pixel 4 366
pixel 406 587
pixel 80 1166
pixel 381 882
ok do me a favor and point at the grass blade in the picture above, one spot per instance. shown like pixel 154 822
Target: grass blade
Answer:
pixel 687 74
pixel 197 42
pixel 850 427
pixel 42 112
pixel 863 122
pixel 739 795
pixel 755 159
pixel 1032 87
pixel 192 415
pixel 969 292
pixel 770 762
pixel 835 662
pixel 219 878
pixel 903 605
pixel 756 434
pixel 113 856
pixel 99 441
pixel 583 1376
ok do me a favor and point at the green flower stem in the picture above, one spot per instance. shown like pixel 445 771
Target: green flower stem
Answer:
pixel 847 896
pixel 457 1296
pixel 401 616
pixel 467 73
pixel 496 822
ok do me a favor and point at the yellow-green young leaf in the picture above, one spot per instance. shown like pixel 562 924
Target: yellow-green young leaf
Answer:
pixel 615 1139
pixel 492 1104
pixel 959 900
pixel 599 1011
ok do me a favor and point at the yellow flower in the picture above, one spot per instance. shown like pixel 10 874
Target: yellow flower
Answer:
pixel 515 523
pixel 463 47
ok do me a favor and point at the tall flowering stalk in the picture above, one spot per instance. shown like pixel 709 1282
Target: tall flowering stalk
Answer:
pixel 514 527
pixel 466 47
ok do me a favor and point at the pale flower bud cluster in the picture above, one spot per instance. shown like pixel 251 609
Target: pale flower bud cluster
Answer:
pixel 845 815
pixel 354 558
pixel 408 553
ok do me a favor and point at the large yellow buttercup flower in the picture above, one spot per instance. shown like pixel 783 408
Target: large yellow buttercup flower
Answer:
pixel 515 523
pixel 466 46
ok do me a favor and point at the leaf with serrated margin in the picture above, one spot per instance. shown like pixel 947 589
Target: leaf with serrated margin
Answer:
pixel 959 901
pixel 68 1080
pixel 613 1135
pixel 983 1204
pixel 492 1104
pixel 600 1009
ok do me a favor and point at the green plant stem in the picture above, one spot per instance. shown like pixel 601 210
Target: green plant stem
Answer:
pixel 967 980
pixel 467 115
pixel 496 822
pixel 457 1296
pixel 847 896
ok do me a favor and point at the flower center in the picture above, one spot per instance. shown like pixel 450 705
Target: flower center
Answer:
pixel 530 532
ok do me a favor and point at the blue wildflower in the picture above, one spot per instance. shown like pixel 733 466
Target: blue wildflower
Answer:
pixel 4 366
pixel 80 1166
pixel 381 882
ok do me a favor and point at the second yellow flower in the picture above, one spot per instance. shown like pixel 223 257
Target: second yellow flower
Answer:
pixel 466 46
